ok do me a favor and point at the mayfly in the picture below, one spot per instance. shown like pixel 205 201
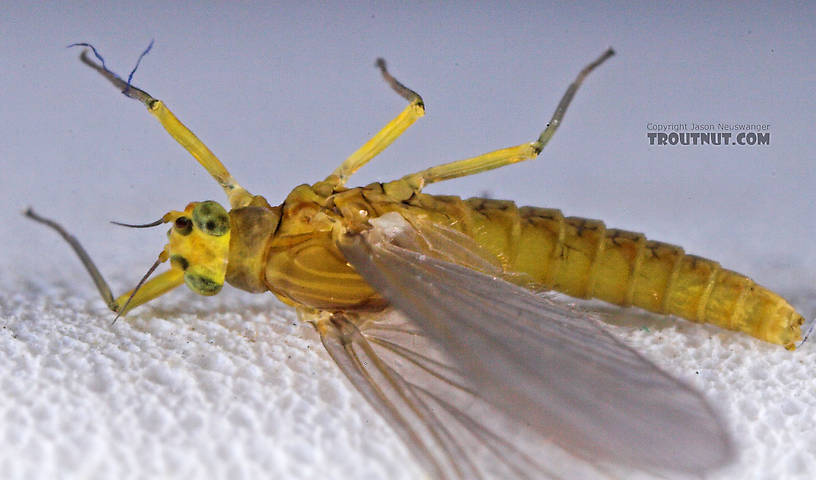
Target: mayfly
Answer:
pixel 432 307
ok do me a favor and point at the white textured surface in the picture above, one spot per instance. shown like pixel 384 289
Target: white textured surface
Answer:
pixel 232 386
pixel 235 387
pixel 178 391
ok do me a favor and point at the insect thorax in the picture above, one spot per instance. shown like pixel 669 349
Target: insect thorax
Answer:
pixel 289 250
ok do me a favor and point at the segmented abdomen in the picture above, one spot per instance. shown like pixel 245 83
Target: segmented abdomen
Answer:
pixel 584 259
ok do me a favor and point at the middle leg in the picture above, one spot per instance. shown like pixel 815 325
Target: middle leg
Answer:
pixel 505 156
pixel 384 137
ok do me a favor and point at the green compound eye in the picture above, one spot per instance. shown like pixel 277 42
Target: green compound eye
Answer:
pixel 201 284
pixel 211 218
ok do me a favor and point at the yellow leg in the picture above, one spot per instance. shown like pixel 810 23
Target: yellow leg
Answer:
pixel 384 137
pixel 237 195
pixel 505 156
pixel 144 291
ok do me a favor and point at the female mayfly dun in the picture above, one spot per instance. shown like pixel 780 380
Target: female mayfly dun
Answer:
pixel 428 305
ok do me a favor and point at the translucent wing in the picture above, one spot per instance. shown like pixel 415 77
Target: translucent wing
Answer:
pixel 425 398
pixel 542 365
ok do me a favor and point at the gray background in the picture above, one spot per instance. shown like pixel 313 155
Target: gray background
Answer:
pixel 282 93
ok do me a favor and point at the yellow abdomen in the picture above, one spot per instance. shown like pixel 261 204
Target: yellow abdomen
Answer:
pixel 584 259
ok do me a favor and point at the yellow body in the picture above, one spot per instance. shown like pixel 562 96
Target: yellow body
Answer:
pixel 538 247
pixel 292 249
pixel 465 338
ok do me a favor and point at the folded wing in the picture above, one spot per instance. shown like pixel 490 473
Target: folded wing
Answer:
pixel 483 373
